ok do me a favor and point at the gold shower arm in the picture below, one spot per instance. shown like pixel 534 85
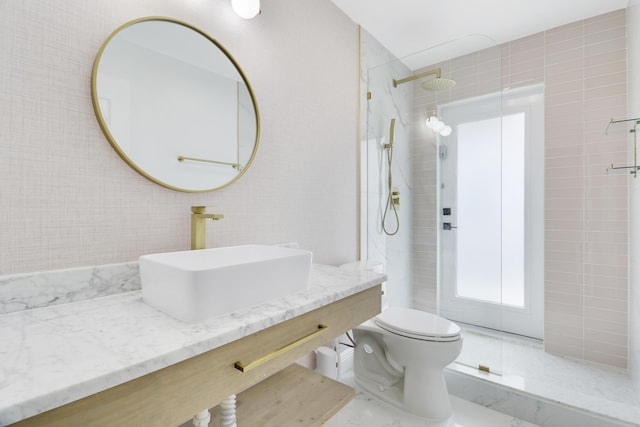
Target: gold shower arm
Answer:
pixel 435 71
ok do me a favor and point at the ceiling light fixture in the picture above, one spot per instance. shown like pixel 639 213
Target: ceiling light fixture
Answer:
pixel 246 9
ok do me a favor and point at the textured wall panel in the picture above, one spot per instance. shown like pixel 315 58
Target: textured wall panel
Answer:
pixel 68 200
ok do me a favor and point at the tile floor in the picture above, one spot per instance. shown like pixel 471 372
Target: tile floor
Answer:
pixel 546 390
pixel 365 411
pixel 527 368
pixel 596 391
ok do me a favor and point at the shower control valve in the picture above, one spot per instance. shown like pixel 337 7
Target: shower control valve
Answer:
pixel 395 197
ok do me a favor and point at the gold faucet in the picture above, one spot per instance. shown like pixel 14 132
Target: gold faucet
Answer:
pixel 198 226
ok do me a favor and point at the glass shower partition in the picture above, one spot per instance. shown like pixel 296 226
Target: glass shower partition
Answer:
pixel 425 260
pixel 470 214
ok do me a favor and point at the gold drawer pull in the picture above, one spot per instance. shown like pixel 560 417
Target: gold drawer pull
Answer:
pixel 244 367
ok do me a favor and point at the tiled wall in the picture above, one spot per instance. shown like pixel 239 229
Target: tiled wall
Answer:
pixel 425 209
pixel 583 67
pixel 633 72
pixel 586 263
pixel 68 200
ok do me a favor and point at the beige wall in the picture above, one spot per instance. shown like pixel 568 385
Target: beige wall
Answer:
pixel 583 67
pixel 586 265
pixel 67 199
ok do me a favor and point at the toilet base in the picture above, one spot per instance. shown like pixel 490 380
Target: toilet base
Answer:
pixel 388 394
pixel 431 402
pixel 425 394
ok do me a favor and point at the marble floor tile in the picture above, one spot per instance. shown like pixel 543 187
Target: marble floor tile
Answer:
pixel 524 366
pixel 366 411
pixel 545 389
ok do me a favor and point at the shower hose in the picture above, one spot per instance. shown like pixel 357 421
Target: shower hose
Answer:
pixel 389 149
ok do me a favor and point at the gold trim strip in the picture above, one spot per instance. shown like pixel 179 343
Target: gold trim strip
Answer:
pixel 244 367
pixel 195 159
pixel 359 134
pixel 435 71
pixel 238 129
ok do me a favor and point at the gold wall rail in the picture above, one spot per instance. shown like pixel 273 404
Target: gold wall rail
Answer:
pixel 195 159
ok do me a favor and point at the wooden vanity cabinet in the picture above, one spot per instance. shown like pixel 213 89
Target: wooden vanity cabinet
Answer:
pixel 174 394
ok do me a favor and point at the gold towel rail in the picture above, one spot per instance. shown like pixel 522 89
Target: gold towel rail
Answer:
pixel 195 159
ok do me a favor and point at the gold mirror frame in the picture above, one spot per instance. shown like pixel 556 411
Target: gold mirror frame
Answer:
pixel 121 152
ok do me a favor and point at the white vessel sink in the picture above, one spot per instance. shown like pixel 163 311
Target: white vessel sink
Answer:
pixel 193 285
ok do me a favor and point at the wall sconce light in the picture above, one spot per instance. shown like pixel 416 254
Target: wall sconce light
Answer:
pixel 437 125
pixel 246 9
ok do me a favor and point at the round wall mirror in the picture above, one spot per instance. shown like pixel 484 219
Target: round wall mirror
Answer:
pixel 175 105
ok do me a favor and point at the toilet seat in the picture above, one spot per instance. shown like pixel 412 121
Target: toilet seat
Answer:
pixel 418 325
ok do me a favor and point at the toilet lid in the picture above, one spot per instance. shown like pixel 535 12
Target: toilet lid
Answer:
pixel 417 324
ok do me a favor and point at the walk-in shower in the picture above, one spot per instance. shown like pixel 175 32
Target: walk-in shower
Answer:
pixel 588 311
pixel 404 104
pixel 436 83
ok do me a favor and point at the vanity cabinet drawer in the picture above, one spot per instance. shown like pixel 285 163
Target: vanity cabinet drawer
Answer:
pixel 172 395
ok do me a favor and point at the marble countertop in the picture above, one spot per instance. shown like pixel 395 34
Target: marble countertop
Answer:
pixel 58 354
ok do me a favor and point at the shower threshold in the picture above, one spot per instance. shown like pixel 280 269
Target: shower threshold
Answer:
pixel 539 387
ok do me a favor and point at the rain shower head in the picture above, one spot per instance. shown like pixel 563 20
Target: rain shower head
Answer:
pixel 438 83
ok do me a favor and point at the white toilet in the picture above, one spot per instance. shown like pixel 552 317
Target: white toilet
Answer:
pixel 400 356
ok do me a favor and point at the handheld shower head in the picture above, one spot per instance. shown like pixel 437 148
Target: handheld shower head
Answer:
pixel 392 132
